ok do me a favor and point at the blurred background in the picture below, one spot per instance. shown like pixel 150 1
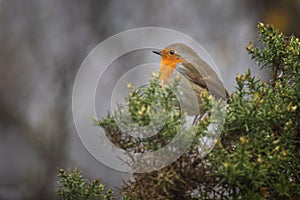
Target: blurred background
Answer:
pixel 43 44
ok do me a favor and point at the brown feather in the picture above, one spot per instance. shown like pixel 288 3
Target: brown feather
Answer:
pixel 198 71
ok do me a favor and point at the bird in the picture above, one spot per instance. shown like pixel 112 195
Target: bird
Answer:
pixel 181 58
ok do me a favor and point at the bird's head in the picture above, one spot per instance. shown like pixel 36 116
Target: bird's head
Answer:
pixel 170 59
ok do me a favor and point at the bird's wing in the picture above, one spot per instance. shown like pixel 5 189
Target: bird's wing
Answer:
pixel 205 77
pixel 189 72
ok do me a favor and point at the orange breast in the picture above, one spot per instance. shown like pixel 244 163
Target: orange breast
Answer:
pixel 167 68
pixel 165 73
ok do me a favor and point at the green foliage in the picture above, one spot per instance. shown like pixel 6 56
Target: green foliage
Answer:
pixel 257 155
pixel 72 186
pixel 147 109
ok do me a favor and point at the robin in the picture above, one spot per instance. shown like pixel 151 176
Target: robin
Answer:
pixel 200 76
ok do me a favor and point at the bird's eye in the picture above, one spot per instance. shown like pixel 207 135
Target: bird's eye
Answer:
pixel 172 52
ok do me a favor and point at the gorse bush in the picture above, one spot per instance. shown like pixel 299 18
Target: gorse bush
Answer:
pixel 257 154
pixel 72 186
pixel 144 113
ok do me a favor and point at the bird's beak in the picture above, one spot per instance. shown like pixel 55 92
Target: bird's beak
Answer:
pixel 157 52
